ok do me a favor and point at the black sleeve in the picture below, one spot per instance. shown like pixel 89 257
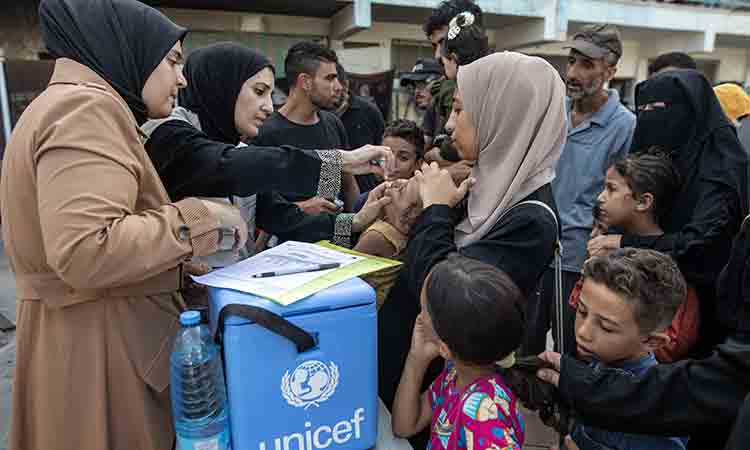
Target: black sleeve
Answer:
pixel 190 164
pixel 281 217
pixel 521 244
pixel 740 437
pixel 430 241
pixel 669 399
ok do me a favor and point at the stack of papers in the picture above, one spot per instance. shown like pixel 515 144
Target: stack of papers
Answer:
pixel 287 289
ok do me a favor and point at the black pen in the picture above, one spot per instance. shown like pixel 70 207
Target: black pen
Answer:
pixel 281 272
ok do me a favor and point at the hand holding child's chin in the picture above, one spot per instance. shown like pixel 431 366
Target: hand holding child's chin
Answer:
pixel 604 245
pixel 373 208
pixel 436 186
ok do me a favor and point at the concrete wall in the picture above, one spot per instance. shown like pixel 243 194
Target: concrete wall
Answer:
pixel 20 37
pixel 19 30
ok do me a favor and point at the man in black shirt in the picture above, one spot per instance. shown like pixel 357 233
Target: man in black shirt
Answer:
pixel 305 122
pixel 363 122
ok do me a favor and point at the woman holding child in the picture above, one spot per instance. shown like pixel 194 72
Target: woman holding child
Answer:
pixel 515 149
pixel 679 112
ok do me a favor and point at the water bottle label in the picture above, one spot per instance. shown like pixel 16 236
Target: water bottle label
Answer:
pixel 218 442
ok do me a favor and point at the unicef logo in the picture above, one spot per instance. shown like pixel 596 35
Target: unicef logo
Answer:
pixel 310 384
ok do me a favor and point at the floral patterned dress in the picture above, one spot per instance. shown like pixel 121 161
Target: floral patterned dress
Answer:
pixel 485 415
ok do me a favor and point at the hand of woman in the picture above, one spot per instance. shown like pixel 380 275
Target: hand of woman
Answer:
pixel 372 209
pixel 604 245
pixel 569 445
pixel 229 217
pixel 436 186
pixel 551 374
pixel 460 170
pixel 368 159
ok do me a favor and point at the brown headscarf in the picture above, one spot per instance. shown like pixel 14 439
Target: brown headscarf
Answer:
pixel 517 105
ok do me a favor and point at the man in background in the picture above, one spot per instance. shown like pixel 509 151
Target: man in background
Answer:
pixel 363 122
pixel 425 71
pixel 600 131
pixel 671 61
pixel 305 121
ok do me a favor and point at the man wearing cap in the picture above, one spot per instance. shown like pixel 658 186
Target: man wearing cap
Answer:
pixel 600 131
pixel 424 72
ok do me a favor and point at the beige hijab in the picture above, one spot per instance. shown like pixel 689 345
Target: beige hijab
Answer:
pixel 517 105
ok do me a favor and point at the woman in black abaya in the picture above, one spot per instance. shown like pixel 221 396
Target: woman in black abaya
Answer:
pixel 679 112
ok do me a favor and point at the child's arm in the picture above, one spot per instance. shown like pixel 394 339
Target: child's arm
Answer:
pixel 374 243
pixel 412 412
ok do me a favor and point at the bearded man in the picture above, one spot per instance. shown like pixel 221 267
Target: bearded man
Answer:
pixel 600 131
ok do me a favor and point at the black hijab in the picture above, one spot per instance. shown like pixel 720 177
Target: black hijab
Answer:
pixel 215 75
pixel 693 128
pixel 121 40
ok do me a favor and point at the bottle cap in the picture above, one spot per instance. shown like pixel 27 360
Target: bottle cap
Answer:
pixel 189 318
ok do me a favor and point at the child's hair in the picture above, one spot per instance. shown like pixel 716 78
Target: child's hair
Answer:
pixel 651 171
pixel 466 40
pixel 476 309
pixel 409 131
pixel 648 279
pixel 447 10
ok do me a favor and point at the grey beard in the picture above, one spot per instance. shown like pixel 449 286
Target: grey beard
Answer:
pixel 592 90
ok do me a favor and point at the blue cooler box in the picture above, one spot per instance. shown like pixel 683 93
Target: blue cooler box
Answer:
pixel 324 398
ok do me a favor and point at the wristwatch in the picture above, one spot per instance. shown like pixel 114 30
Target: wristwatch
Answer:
pixel 227 238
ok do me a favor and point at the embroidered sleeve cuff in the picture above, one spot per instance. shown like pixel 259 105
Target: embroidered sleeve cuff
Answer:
pixel 329 185
pixel 200 227
pixel 342 232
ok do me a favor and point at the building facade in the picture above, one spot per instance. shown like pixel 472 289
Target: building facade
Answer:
pixel 377 35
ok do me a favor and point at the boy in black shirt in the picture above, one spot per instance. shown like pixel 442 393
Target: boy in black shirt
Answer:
pixel 363 122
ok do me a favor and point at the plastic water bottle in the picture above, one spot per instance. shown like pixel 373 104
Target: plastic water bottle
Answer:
pixel 199 401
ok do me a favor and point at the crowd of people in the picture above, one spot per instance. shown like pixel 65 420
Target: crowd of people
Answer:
pixel 524 202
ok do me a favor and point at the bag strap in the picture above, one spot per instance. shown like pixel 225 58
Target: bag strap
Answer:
pixel 559 301
pixel 562 412
pixel 272 322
